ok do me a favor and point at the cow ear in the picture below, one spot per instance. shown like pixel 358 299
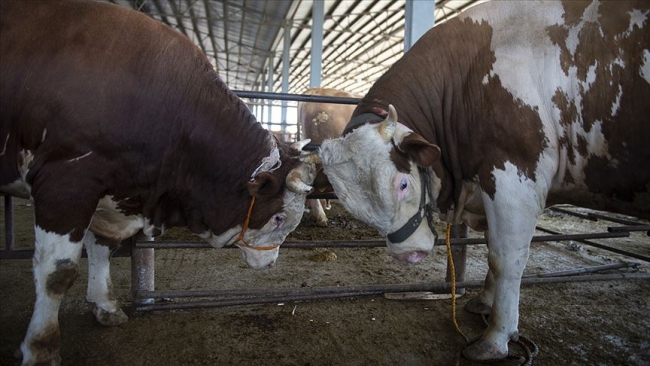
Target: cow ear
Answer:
pixel 421 151
pixel 264 184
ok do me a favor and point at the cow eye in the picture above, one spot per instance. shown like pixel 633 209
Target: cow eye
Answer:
pixel 403 184
pixel 279 219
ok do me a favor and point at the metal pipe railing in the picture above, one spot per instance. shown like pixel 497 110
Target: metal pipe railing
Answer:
pixel 295 97
pixel 304 294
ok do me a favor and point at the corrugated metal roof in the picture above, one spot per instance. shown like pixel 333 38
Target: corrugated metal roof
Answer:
pixel 361 38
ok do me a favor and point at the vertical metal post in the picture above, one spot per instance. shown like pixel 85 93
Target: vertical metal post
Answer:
pixel 318 19
pixel 142 274
pixel 269 86
pixel 9 223
pixel 285 74
pixel 419 18
pixel 459 256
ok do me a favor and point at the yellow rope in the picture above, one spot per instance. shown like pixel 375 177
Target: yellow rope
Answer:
pixel 453 284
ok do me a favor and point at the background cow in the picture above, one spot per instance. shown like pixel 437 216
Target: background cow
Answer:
pixel 503 110
pixel 320 121
pixel 111 133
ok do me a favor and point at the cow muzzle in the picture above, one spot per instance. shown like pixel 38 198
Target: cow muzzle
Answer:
pixel 259 257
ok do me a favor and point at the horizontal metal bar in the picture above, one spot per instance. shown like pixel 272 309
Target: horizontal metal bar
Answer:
pixel 602 246
pixel 583 270
pixel 336 289
pixel 573 213
pixel 295 97
pixel 615 219
pixel 354 291
pixel 123 251
pixel 613 229
pixel 377 243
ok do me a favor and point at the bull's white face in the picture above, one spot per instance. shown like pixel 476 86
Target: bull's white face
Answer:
pixel 369 185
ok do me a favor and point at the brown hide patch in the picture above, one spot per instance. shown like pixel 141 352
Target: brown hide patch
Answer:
pixel 264 184
pixel 573 11
pixel 268 205
pixel 513 133
pixel 568 115
pixel 46 345
pixel 420 150
pixel 59 281
pixel 558 35
pixel 609 55
pixel 413 147
pixel 400 159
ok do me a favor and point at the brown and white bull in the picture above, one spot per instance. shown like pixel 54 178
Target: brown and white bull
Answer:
pixel 320 121
pixel 508 108
pixel 114 123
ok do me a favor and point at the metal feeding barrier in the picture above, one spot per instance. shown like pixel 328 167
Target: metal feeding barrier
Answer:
pixel 144 295
pixel 142 256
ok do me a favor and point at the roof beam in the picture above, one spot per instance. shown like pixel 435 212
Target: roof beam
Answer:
pixel 195 26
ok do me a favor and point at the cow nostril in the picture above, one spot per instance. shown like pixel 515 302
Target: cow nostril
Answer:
pixel 410 258
pixel 417 256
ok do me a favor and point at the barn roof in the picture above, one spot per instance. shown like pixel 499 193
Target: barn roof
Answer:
pixel 361 38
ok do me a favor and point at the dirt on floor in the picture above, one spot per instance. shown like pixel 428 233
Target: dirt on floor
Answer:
pixel 588 323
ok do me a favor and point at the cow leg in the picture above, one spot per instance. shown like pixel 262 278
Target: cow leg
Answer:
pixel 55 265
pixel 482 304
pixel 512 224
pixel 100 294
pixel 317 212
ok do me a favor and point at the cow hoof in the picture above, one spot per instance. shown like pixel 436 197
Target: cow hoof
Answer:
pixel 321 223
pixel 476 306
pixel 484 351
pixel 110 319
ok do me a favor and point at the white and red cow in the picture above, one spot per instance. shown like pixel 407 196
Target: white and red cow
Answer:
pixel 508 108
pixel 320 121
pixel 114 123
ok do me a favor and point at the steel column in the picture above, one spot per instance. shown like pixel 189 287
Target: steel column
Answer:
pixel 142 274
pixel 316 64
pixel 420 17
pixel 286 61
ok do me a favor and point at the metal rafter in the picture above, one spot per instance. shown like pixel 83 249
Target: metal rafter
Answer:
pixel 362 38
pixel 208 16
pixel 195 26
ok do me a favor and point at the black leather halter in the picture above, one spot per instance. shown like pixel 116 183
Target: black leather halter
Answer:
pixel 360 120
pixel 426 209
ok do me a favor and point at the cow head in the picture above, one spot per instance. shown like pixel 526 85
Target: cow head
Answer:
pixel 277 203
pixel 374 172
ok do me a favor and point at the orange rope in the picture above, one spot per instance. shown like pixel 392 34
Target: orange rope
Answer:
pixel 453 284
pixel 248 219
pixel 240 240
